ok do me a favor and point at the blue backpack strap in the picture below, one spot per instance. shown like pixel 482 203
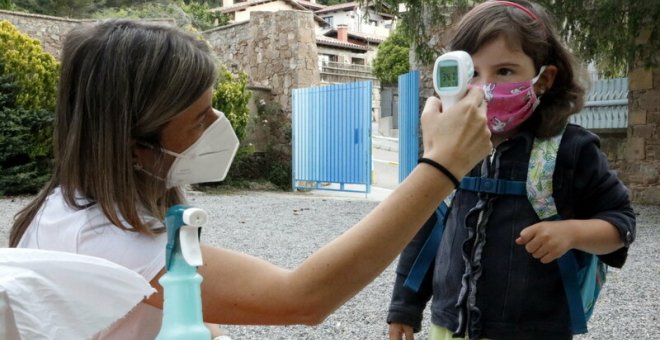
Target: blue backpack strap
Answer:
pixel 426 255
pixel 568 269
pixel 494 186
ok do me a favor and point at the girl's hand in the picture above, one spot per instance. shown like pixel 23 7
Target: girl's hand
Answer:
pixel 547 241
pixel 458 138
pixel 398 330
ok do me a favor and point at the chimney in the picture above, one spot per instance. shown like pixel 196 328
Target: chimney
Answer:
pixel 227 3
pixel 342 33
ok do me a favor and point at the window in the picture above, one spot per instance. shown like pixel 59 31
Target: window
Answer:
pixel 357 61
pixel 324 59
pixel 328 20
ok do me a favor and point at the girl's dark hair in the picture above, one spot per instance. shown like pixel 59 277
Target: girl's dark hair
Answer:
pixel 120 83
pixel 538 39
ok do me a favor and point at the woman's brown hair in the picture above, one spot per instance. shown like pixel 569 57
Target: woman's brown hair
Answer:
pixel 120 83
pixel 537 36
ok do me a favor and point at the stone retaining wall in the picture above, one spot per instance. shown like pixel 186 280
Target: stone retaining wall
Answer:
pixel 641 157
pixel 276 49
pixel 52 30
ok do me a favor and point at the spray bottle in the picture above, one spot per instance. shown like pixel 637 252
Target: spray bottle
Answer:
pixel 182 306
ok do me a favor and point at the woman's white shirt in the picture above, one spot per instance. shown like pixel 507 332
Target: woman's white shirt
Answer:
pixel 87 231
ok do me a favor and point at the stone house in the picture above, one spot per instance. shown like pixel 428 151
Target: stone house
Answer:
pixel 360 19
pixel 239 11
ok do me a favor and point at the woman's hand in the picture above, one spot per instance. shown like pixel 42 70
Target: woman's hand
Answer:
pixel 458 138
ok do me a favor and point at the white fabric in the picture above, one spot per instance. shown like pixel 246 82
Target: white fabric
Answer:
pixel 57 295
pixel 87 231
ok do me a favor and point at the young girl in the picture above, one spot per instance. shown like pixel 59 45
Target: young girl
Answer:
pixel 134 115
pixel 495 274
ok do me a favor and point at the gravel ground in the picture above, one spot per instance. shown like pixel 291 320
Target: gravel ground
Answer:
pixel 285 228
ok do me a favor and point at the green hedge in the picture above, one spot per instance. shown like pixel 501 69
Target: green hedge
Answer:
pixel 25 143
pixel 28 78
pixel 232 96
pixel 34 71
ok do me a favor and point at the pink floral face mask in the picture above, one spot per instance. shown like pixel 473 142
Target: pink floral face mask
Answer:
pixel 510 104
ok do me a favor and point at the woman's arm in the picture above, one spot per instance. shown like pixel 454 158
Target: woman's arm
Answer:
pixel 241 289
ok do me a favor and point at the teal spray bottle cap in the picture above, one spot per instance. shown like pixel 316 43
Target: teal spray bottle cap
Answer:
pixel 182 306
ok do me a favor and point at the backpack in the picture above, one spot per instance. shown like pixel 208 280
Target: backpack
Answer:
pixel 583 274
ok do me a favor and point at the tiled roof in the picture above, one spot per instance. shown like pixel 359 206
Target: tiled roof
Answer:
pixel 338 7
pixel 359 35
pixel 311 5
pixel 250 3
pixel 323 40
pixel 348 6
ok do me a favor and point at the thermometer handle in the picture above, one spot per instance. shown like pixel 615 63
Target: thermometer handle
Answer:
pixel 448 102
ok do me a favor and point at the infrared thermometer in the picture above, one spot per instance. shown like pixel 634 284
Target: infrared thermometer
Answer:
pixel 451 74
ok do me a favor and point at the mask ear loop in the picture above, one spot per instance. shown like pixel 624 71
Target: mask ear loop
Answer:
pixel 159 148
pixel 140 167
pixel 541 91
pixel 535 79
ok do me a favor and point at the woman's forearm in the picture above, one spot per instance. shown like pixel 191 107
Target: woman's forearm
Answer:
pixel 340 269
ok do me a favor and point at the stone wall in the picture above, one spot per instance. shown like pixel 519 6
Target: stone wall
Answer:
pixel 49 30
pixel 52 30
pixel 230 43
pixel 640 169
pixel 279 61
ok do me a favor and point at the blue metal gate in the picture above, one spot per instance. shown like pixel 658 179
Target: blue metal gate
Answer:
pixel 332 137
pixel 408 123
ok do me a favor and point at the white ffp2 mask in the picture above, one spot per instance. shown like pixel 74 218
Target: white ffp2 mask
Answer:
pixel 208 159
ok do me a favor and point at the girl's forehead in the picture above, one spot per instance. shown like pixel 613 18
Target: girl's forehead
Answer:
pixel 500 45
pixel 503 41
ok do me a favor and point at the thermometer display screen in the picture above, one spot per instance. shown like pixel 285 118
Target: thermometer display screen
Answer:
pixel 448 76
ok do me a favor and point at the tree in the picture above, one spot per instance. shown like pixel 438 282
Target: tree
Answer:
pixel 332 2
pixel 61 8
pixel 194 16
pixel 392 58
pixel 6 4
pixel 604 31
pixel 231 96
pixel 33 71
pixel 28 78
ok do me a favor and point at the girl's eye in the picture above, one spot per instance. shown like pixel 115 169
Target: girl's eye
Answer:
pixel 475 74
pixel 504 72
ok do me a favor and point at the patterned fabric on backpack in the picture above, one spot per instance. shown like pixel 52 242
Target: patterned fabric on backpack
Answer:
pixel 580 269
pixel 542 162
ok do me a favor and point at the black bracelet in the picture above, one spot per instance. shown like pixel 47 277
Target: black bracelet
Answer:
pixel 441 169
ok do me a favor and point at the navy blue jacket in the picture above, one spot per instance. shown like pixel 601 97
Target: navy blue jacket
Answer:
pixel 505 293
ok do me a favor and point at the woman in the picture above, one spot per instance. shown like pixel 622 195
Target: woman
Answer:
pixel 133 99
